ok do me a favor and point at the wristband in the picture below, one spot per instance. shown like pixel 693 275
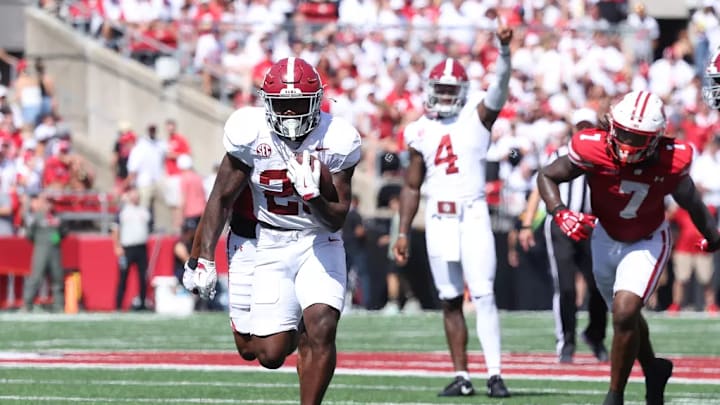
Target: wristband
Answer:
pixel 401 235
pixel 526 227
pixel 559 207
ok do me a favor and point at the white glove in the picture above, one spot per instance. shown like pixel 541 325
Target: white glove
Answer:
pixel 305 178
pixel 200 277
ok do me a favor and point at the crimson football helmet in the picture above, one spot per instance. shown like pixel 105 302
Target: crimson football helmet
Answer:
pixel 292 92
pixel 637 122
pixel 711 86
pixel 447 87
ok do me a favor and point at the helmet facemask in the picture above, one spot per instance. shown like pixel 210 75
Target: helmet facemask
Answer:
pixel 711 81
pixel 631 146
pixel 711 91
pixel 292 114
pixel 444 98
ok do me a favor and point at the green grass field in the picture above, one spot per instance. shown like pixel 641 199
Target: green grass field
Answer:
pixel 26 378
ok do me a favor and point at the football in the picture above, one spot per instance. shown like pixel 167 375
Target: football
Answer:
pixel 327 188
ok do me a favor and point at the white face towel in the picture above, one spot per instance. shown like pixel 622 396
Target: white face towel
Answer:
pixel 448 225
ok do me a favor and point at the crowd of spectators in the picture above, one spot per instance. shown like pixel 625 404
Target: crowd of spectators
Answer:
pixel 372 56
pixel 36 149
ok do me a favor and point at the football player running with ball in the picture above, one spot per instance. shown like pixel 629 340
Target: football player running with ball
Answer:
pixel 630 167
pixel 299 255
pixel 448 149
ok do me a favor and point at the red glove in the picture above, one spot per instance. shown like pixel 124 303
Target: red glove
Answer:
pixel 577 226
pixel 706 246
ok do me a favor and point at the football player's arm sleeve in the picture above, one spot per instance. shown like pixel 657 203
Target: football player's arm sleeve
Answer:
pixel 497 93
pixel 687 196
pixel 559 171
pixel 410 192
pixel 231 179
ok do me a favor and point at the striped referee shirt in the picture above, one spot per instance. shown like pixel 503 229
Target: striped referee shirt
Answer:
pixel 575 194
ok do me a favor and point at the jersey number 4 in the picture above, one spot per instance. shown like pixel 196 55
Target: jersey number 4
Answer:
pixel 278 176
pixel 444 154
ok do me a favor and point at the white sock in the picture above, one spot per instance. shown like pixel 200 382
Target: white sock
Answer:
pixel 463 374
pixel 488 330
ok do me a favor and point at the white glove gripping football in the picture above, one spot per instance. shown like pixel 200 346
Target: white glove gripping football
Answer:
pixel 200 277
pixel 305 178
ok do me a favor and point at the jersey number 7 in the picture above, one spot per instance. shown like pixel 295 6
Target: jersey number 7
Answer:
pixel 444 154
pixel 638 192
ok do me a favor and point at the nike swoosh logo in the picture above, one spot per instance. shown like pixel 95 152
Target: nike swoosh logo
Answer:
pixel 331 239
pixel 465 390
pixel 321 148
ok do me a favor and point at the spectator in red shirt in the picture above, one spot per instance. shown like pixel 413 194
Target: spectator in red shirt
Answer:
pixel 177 145
pixel 399 108
pixel 57 169
pixel 67 171
pixel 192 192
pixel 688 258
pixel 210 8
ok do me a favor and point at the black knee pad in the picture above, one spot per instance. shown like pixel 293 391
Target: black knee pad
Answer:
pixel 452 304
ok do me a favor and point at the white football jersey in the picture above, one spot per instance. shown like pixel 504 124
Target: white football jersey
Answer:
pixel 455 152
pixel 335 142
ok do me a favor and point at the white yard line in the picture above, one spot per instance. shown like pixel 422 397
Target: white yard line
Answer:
pixel 339 371
pixel 335 386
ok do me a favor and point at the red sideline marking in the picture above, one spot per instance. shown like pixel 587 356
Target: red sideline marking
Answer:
pixel 531 365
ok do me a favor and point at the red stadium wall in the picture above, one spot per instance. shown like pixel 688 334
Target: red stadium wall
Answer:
pixel 93 256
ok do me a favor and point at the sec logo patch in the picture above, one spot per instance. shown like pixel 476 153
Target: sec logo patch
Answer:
pixel 263 150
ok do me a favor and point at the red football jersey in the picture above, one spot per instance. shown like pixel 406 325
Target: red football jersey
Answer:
pixel 629 200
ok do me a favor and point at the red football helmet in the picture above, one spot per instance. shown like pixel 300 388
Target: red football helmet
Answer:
pixel 711 86
pixel 637 122
pixel 292 92
pixel 447 87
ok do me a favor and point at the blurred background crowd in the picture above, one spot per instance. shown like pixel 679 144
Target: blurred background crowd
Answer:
pixel 373 56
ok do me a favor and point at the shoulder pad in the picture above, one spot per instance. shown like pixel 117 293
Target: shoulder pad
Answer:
pixel 241 132
pixel 412 135
pixel 343 143
pixel 588 148
pixel 474 98
pixel 678 152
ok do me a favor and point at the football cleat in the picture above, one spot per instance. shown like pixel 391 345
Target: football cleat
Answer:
pixel 496 387
pixel 459 387
pixel 656 379
pixel 566 353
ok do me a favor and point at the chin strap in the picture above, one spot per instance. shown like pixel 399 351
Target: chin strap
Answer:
pixel 497 93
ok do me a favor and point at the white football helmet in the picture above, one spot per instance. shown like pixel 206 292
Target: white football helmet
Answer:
pixel 447 87
pixel 711 84
pixel 637 122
